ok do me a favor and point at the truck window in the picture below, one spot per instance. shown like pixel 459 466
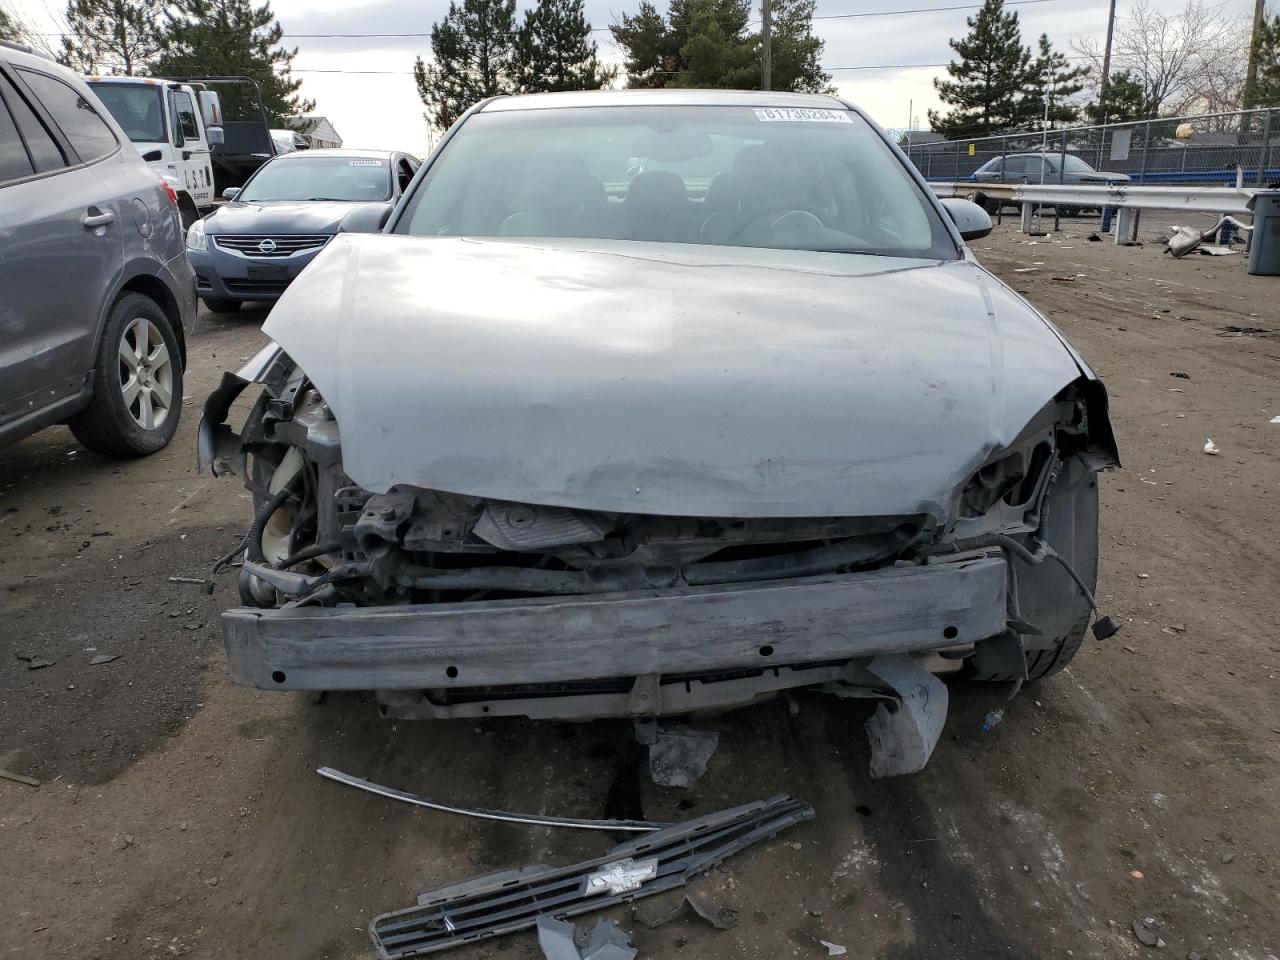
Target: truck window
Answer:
pixel 89 134
pixel 45 152
pixel 137 108
pixel 186 115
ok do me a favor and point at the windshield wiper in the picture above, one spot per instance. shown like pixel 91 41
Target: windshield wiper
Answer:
pixel 855 250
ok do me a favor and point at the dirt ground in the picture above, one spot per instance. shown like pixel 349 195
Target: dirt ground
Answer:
pixel 179 815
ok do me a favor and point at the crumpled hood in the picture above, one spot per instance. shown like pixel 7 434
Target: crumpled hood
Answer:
pixel 280 216
pixel 667 379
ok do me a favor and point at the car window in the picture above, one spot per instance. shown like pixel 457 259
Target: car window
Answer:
pixel 302 177
pixel 798 179
pixel 991 166
pixel 14 161
pixel 1076 165
pixel 138 109
pixel 186 115
pixel 1015 165
pixel 44 150
pixel 89 134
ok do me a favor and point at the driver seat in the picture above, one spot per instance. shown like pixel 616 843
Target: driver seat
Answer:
pixel 762 178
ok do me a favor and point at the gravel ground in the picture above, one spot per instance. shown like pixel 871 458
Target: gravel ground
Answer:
pixel 179 815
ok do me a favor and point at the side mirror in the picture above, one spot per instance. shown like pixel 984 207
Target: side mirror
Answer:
pixel 970 219
pixel 366 220
pixel 216 136
pixel 230 193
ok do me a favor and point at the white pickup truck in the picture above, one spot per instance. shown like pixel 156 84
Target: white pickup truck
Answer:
pixel 174 126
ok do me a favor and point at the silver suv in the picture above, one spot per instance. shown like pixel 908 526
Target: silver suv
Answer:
pixel 95 289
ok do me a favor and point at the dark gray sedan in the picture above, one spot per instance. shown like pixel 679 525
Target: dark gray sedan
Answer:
pixel 1041 168
pixel 253 247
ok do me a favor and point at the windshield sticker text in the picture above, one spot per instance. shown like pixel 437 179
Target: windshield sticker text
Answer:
pixel 364 163
pixel 775 114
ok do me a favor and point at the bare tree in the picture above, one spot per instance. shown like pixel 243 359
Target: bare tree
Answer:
pixel 1188 62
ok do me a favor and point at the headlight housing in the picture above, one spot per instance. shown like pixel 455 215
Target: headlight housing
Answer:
pixel 196 237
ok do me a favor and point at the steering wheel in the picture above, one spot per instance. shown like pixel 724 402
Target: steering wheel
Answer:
pixel 771 217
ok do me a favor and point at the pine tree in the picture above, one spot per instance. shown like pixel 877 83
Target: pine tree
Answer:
pixel 233 38
pixel 1055 83
pixel 555 49
pixel 1126 101
pixel 988 87
pixel 474 56
pixel 1265 89
pixel 652 50
pixel 117 36
pixel 796 52
pixel 706 43
pixel 10 29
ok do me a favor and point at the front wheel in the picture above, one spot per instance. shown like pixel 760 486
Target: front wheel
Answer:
pixel 137 386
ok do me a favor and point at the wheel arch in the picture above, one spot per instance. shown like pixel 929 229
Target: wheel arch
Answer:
pixel 188 211
pixel 144 280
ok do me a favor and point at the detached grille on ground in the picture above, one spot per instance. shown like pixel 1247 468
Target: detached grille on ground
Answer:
pixel 256 245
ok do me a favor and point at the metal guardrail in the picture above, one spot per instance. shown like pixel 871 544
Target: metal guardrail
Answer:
pixel 1124 198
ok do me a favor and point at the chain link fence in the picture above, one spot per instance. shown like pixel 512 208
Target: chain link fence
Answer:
pixel 1208 149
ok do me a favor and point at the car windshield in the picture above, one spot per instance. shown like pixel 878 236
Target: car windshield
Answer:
pixel 783 178
pixel 137 108
pixel 320 178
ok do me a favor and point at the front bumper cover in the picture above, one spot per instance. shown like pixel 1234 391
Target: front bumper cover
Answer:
pixel 550 640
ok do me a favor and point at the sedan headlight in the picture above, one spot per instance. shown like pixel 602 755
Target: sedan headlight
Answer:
pixel 196 238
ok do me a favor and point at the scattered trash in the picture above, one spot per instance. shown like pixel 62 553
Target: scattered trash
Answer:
pixel 1026 270
pixel 1146 934
pixel 1180 375
pixel 195 580
pixel 1144 576
pixel 34 661
pixel 103 658
pixel 1136 874
pixel 833 949
pixel 537 820
pixel 1174 629
pixel 1211 448
pixel 1182 240
pixel 1094 238
pixel 1064 279
pixel 1275 419
pixel 18 778
pixel 678 755
pixel 1215 250
pixel 512 900
pixel 1231 330
pixel 992 720
pixel 660 911
pixel 561 940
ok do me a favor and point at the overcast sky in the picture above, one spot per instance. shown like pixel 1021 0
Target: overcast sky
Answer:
pixel 382 110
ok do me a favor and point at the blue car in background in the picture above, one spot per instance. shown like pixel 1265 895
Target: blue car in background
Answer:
pixel 255 245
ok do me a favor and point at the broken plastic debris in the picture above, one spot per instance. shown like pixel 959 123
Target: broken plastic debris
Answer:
pixel 1275 419
pixel 621 877
pixel 992 720
pixel 103 658
pixel 1211 448
pixel 833 949
pixel 658 911
pixel 561 940
pixel 678 755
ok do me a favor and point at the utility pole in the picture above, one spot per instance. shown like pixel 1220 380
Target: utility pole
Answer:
pixel 766 54
pixel 1251 76
pixel 1106 64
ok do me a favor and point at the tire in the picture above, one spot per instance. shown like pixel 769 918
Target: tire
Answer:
pixel 1050 599
pixel 137 384
pixel 221 304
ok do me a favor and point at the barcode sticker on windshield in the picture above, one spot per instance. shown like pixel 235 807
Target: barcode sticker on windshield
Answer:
pixel 774 114
pixel 364 163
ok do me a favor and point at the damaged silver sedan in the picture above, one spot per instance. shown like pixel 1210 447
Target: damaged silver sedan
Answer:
pixel 659 402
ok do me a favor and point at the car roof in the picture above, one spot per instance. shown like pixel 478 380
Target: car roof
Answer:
pixel 341 152
pixel 663 97
pixel 28 56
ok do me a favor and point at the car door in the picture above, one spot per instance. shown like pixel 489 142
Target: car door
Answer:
pixel 192 165
pixel 60 243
